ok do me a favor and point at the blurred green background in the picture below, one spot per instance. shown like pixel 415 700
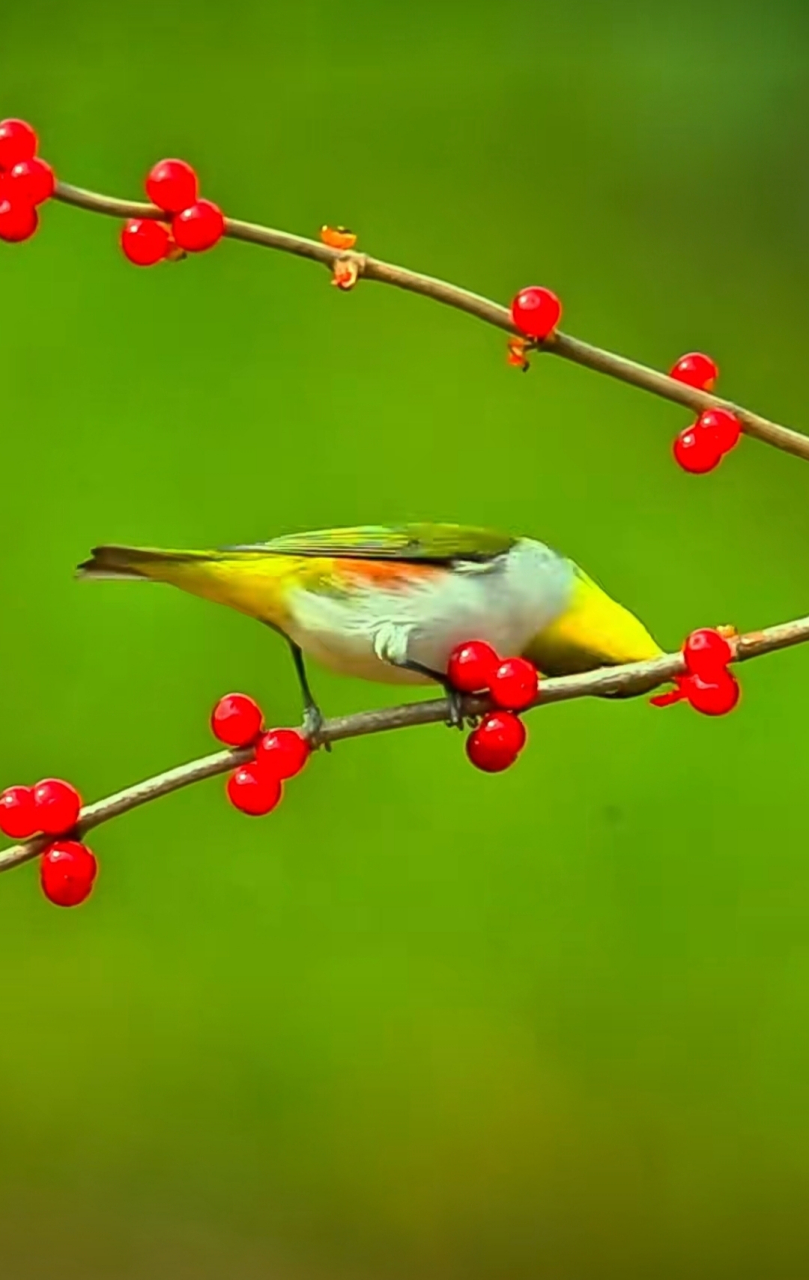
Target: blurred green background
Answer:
pixel 420 1022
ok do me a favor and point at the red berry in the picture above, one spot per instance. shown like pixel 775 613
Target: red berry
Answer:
pixel 706 652
pixel 497 741
pixel 713 696
pixel 536 312
pixel 723 426
pixel 253 790
pixel 237 720
pixel 471 666
pixel 172 185
pixel 697 450
pixel 68 870
pixel 57 806
pixel 32 180
pixel 17 142
pixel 515 683
pixel 199 227
pixel 145 241
pixel 696 370
pixel 18 817
pixel 282 752
pixel 18 218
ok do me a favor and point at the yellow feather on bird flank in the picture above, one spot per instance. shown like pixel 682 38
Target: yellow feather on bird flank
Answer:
pixel 593 630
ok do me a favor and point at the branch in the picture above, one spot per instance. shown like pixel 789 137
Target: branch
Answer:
pixel 638 375
pixel 631 680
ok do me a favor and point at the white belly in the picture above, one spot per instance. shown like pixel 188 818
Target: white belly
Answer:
pixel 505 603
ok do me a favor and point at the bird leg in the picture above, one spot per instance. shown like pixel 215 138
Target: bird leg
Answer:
pixel 390 649
pixel 312 715
pixel 454 697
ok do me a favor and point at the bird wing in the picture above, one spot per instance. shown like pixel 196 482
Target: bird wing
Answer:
pixel 414 543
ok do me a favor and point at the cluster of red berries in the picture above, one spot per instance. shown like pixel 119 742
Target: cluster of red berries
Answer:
pixel 709 687
pixel 536 312
pixel 25 181
pixel 512 684
pixel 51 808
pixel 702 446
pixel 256 787
pixel 194 225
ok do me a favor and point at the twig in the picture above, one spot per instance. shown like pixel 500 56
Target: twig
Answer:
pixel 493 313
pixel 626 681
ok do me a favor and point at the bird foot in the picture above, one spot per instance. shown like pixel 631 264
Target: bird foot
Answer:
pixel 313 721
pixel 455 716
pixel 455 719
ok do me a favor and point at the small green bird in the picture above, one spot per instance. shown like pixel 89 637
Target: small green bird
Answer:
pixel 391 604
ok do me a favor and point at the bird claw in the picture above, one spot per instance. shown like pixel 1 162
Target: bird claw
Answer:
pixel 455 719
pixel 313 721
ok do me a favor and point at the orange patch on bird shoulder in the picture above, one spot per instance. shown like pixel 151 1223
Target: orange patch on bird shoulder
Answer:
pixel 387 573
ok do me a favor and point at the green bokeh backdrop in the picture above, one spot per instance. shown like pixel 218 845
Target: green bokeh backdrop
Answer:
pixel 421 1022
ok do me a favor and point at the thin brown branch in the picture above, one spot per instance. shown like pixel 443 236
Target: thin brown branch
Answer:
pixel 626 681
pixel 573 349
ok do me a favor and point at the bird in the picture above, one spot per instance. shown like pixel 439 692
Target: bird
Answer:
pixel 391 603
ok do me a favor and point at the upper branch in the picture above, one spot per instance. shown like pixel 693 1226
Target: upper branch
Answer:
pixel 625 681
pixel 485 309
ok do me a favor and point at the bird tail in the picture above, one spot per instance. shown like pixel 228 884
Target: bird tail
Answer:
pixel 130 563
pixel 250 581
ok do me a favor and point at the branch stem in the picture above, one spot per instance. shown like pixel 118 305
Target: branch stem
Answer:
pixel 627 681
pixel 560 344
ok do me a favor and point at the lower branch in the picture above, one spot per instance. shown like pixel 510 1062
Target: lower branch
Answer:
pixel 626 681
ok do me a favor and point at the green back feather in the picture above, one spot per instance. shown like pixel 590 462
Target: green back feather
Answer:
pixel 434 543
